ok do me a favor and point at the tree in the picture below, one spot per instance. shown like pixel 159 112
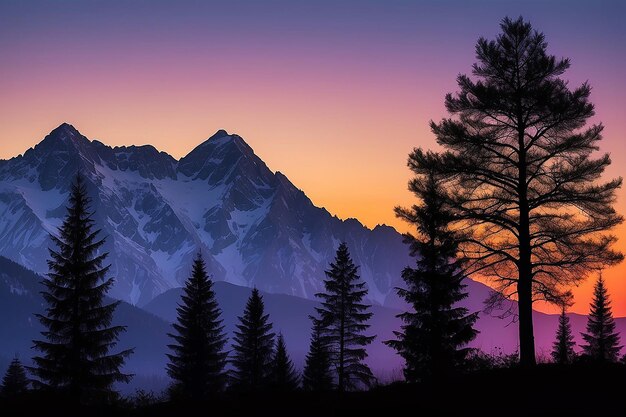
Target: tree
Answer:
pixel 602 341
pixel 253 346
pixel 343 316
pixel 198 358
pixel 563 347
pixel 283 376
pixel 433 340
pixel 520 175
pixel 78 334
pixel 15 381
pixel 317 375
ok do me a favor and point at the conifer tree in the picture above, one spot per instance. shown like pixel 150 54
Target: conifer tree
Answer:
pixel 563 348
pixel 15 381
pixel 343 317
pixel 253 346
pixel 283 376
pixel 433 340
pixel 523 179
pixel 317 375
pixel 198 359
pixel 76 358
pixel 602 341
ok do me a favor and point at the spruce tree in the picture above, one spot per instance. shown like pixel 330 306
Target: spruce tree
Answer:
pixel 433 340
pixel 253 346
pixel 343 317
pixel 602 341
pixel 317 375
pixel 15 381
pixel 198 359
pixel 563 347
pixel 283 376
pixel 75 355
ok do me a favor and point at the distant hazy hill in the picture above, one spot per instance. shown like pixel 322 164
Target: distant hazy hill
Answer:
pixel 20 300
pixel 147 328
pixel 290 315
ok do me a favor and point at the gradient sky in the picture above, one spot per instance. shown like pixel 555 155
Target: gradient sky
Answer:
pixel 333 94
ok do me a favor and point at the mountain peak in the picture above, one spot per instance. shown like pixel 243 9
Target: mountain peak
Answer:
pixel 65 130
pixel 65 137
pixel 219 134
pixel 216 155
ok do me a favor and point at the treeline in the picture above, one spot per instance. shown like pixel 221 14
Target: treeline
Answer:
pixel 76 358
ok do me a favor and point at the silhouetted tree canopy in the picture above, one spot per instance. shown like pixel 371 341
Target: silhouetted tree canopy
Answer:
pixel 78 334
pixel 343 318
pixel 15 381
pixel 521 178
pixel 563 347
pixel 283 376
pixel 253 346
pixel 198 359
pixel 434 337
pixel 317 375
pixel 601 339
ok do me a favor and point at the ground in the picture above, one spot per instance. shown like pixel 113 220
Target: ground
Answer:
pixel 582 390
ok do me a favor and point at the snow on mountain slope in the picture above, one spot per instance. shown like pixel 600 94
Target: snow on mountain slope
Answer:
pixel 254 227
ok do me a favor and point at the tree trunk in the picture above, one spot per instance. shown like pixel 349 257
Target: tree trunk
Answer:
pixel 341 381
pixel 525 306
pixel 524 283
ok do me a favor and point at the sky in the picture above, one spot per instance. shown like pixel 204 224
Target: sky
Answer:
pixel 334 94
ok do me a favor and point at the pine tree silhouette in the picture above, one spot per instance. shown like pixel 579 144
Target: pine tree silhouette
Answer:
pixel 433 341
pixel 317 375
pixel 519 158
pixel 198 359
pixel 563 347
pixel 343 317
pixel 283 376
pixel 602 341
pixel 253 345
pixel 75 356
pixel 15 381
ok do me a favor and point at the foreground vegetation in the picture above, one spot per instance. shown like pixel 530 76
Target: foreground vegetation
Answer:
pixel 576 390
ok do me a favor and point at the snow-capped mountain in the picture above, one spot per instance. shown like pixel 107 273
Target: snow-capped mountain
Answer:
pixel 254 227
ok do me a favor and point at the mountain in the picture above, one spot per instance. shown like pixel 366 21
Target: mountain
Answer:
pixel 254 227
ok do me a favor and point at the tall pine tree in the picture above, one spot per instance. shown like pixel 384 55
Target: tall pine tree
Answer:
pixel 198 359
pixel 15 381
pixel 563 347
pixel 253 346
pixel 433 340
pixel 283 376
pixel 317 375
pixel 601 339
pixel 343 317
pixel 76 358
pixel 522 174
